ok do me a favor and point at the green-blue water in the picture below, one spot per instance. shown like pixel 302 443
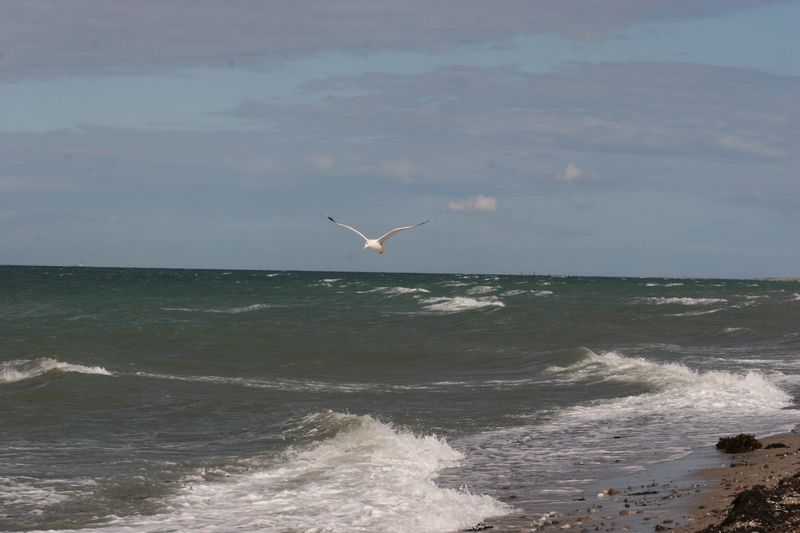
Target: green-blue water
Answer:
pixel 194 400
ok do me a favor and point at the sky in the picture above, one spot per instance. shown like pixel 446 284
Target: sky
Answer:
pixel 579 137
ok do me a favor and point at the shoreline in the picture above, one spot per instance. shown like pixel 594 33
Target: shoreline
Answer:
pixel 765 467
pixel 684 496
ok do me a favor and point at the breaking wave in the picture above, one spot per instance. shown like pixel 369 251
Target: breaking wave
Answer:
pixel 676 386
pixel 460 303
pixel 347 473
pixel 22 369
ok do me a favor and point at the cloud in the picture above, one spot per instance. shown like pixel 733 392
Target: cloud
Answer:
pixel 570 173
pixel 650 126
pixel 7 214
pixel 478 204
pixel 747 147
pixel 322 162
pixel 19 184
pixel 47 38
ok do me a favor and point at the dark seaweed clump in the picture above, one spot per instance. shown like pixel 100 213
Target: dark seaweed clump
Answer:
pixel 744 442
pixel 775 510
pixel 775 445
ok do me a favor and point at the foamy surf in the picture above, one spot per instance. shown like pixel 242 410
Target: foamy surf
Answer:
pixel 679 408
pixel 22 369
pixel 676 386
pixel 460 303
pixel 352 474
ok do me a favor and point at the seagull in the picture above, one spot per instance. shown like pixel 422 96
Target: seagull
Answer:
pixel 376 245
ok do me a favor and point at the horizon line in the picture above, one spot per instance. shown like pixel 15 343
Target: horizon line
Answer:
pixel 521 274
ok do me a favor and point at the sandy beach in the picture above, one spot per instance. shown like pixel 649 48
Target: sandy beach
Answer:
pixel 766 467
pixel 681 497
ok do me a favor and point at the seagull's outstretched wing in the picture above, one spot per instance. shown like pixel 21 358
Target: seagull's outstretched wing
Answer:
pixel 395 231
pixel 351 228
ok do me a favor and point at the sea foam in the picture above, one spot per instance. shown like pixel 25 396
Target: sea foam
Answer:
pixel 460 303
pixel 674 386
pixel 349 474
pixel 665 403
pixel 22 369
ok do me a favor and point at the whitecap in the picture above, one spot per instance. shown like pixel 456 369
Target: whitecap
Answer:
pixel 22 369
pixel 697 313
pixel 393 291
pixel 658 300
pixel 460 303
pixel 514 292
pixel 238 310
pixel 481 289
pixel 733 330
pixel 221 311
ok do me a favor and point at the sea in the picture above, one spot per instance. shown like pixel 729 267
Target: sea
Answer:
pixel 150 400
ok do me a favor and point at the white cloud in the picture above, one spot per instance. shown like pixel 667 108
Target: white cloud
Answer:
pixel 322 162
pixel 479 204
pixel 570 173
pixel 746 147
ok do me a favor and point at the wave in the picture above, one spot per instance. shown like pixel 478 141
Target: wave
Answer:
pixel 22 369
pixel 223 311
pixel 517 292
pixel 395 290
pixel 658 300
pixel 276 384
pixel 348 473
pixel 481 289
pixel 697 313
pixel 666 404
pixel 238 310
pixel 460 303
pixel 675 385
pixel 734 329
pixel 295 385
pixel 796 297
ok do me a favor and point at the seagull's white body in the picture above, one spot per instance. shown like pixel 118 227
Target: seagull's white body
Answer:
pixel 376 245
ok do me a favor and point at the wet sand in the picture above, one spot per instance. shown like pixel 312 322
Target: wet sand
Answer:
pixel 765 467
pixel 684 496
